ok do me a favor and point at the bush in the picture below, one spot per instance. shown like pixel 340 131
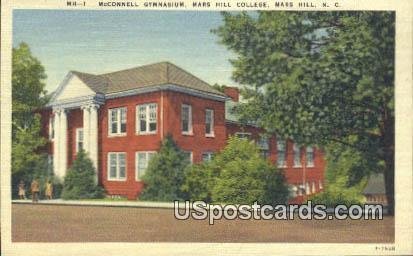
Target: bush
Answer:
pixel 238 174
pixel 199 181
pixel 164 176
pixel 347 172
pixel 80 180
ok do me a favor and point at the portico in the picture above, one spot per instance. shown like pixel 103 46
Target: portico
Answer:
pixel 62 103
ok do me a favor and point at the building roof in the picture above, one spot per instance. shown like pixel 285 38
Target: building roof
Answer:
pixel 144 76
pixel 375 185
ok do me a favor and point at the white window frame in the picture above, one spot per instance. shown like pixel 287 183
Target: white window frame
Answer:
pixel 300 190
pixel 211 124
pixel 210 155
pixel 296 148
pixel 190 128
pixel 137 162
pixel 237 134
pixel 117 178
pixel 309 150
pixel 264 143
pixel 293 189
pixel 284 163
pixel 147 107
pixel 77 138
pixel 307 188
pixel 191 156
pixel 118 121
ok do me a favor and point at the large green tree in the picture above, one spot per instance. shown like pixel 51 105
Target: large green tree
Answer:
pixel 28 87
pixel 319 77
pixel 28 95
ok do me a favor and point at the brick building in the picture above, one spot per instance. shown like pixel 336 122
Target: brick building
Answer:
pixel 120 118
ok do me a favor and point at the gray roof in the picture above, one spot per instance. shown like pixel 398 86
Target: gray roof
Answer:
pixel 375 185
pixel 144 76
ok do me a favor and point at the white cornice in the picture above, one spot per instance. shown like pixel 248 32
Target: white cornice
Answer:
pixel 77 102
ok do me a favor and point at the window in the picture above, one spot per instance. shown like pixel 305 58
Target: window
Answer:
pixel 264 147
pixel 281 153
pixel 209 122
pixel 293 189
pixel 307 188
pixel 117 166
pixel 146 118
pixel 142 160
pixel 51 128
pixel 117 121
pixel 300 190
pixel 186 119
pixel 309 156
pixel 188 156
pixel 79 139
pixel 263 143
pixel 207 156
pixel 320 185
pixel 243 135
pixel 297 155
pixel 313 190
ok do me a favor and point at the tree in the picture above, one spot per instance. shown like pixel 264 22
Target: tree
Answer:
pixel 164 176
pixel 80 180
pixel 347 173
pixel 28 87
pixel 319 77
pixel 28 95
pixel 27 162
pixel 199 181
pixel 237 174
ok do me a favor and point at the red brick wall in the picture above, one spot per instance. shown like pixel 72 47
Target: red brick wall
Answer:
pixel 198 142
pixel 170 102
pixel 232 92
pixel 128 144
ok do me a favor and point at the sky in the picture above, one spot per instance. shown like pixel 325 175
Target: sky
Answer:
pixel 105 41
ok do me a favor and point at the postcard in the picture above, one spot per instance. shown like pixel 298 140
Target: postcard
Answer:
pixel 206 127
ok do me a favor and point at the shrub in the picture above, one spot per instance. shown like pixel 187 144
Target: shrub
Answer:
pixel 237 174
pixel 164 176
pixel 347 172
pixel 80 180
pixel 199 181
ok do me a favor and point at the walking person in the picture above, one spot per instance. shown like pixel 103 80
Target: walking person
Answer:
pixel 49 190
pixel 35 191
pixel 22 190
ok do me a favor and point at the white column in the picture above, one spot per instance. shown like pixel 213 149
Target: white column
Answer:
pixel 63 144
pixel 86 127
pixel 56 142
pixel 93 138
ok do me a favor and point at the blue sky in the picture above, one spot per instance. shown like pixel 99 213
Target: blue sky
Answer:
pixel 104 41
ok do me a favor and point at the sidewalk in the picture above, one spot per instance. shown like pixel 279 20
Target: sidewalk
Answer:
pixel 108 203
